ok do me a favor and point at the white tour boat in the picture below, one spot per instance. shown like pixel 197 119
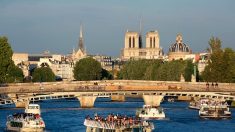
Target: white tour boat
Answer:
pixel 196 104
pixel 215 111
pixel 117 123
pixel 29 121
pixel 150 112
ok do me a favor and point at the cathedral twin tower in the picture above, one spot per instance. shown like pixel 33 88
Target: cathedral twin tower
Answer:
pixel 134 48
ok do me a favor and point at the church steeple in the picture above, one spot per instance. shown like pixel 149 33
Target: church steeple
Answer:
pixel 81 44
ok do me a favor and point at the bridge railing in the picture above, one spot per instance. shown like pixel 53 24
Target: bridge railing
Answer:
pixel 49 89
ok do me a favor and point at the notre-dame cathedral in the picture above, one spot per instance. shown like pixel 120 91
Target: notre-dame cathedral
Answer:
pixel 134 47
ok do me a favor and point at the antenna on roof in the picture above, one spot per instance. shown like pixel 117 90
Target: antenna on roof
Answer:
pixel 140 32
pixel 141 24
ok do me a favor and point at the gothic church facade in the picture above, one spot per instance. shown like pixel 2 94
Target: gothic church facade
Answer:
pixel 134 49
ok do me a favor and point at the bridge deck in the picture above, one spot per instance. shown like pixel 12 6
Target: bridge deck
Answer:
pixel 57 90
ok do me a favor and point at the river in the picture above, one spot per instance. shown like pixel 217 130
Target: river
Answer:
pixel 66 116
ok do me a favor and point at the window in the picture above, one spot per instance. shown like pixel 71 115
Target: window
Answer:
pixel 150 42
pixel 133 42
pixel 154 42
pixel 129 42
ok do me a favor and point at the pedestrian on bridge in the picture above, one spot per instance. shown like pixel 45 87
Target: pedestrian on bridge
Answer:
pixel 212 85
pixel 216 85
pixel 207 86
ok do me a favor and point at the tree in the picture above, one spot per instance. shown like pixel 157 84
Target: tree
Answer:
pixel 5 58
pixel 221 66
pixel 215 44
pixel 152 70
pixel 228 65
pixel 14 74
pixel 8 71
pixel 106 75
pixel 189 70
pixel 171 71
pixel 43 74
pixel 87 69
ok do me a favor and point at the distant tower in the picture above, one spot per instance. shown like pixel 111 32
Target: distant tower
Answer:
pixel 81 51
pixel 152 40
pixel 81 43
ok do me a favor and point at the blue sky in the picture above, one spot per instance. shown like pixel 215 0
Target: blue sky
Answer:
pixel 36 25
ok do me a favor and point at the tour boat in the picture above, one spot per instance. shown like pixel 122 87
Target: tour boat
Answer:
pixel 150 112
pixel 117 123
pixel 29 121
pixel 216 111
pixel 196 104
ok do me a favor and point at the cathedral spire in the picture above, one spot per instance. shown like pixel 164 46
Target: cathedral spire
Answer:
pixel 81 45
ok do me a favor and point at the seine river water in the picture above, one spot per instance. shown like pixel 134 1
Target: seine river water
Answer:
pixel 66 116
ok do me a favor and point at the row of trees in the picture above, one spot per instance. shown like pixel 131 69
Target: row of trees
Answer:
pixel 221 66
pixel 157 70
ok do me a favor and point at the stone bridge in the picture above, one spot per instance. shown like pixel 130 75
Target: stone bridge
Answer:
pixel 87 91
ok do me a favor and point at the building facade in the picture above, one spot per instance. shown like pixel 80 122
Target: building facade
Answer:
pixel 133 48
pixel 22 61
pixel 62 68
pixel 105 61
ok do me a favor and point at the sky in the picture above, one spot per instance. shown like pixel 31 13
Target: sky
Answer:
pixel 33 26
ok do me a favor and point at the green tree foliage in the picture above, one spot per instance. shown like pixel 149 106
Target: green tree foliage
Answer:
pixel 221 66
pixel 189 70
pixel 228 65
pixel 14 74
pixel 156 70
pixel 139 69
pixel 43 74
pixel 215 44
pixel 106 75
pixel 8 71
pixel 172 70
pixel 152 70
pixel 87 69
pixel 5 58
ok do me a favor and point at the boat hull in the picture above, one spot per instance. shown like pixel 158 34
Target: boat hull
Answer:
pixel 215 116
pixel 93 125
pixel 194 107
pixel 24 128
pixel 18 129
pixel 152 118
